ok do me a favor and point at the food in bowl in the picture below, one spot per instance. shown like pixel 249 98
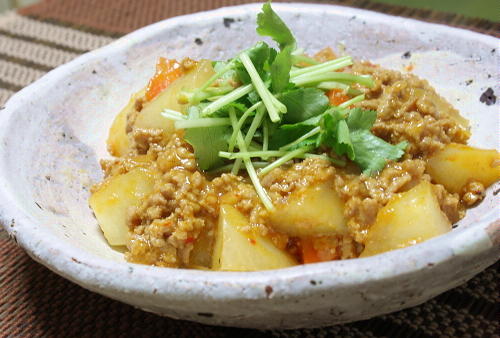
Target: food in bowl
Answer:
pixel 275 158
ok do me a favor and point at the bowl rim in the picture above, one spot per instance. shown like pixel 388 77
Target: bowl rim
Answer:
pixel 81 266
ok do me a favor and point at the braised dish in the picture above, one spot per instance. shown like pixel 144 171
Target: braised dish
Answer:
pixel 275 158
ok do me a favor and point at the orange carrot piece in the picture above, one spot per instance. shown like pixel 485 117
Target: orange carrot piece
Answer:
pixel 309 254
pixel 167 71
pixel 336 96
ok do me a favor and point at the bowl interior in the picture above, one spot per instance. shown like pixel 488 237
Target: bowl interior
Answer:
pixel 55 132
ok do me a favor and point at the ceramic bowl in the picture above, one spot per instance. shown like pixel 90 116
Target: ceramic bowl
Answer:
pixel 53 133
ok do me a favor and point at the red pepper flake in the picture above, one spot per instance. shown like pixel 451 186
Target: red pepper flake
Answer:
pixel 189 240
pixel 252 241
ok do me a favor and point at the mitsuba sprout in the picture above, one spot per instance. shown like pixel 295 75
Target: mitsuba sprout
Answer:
pixel 269 106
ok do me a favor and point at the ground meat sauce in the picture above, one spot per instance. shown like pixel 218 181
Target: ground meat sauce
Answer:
pixel 185 202
pixel 408 108
pixel 166 224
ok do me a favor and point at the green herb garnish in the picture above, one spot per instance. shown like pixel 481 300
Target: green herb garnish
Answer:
pixel 279 112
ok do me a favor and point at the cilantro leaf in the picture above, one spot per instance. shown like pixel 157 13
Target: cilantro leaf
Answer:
pixel 361 119
pixel 282 136
pixel 335 134
pixel 344 145
pixel 280 69
pixel 270 24
pixel 303 103
pixel 287 133
pixel 270 60
pixel 372 153
pixel 207 142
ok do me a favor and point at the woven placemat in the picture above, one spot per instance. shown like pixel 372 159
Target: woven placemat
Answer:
pixel 36 302
pixel 123 16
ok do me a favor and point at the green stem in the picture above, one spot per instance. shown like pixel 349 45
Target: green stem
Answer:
pixel 265 95
pixel 333 85
pixel 202 123
pixel 173 115
pixel 303 58
pixel 213 98
pixel 251 132
pixel 227 99
pixel 258 187
pixel 327 85
pixel 285 158
pixel 256 122
pixel 330 68
pixel 277 102
pixel 265 131
pixel 241 121
pixel 234 122
pixel 207 94
pixel 354 100
pixel 250 168
pixel 325 66
pixel 302 138
pixel 334 76
pixel 249 154
pixel 214 77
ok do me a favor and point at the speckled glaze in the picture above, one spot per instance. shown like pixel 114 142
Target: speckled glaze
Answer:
pixel 53 132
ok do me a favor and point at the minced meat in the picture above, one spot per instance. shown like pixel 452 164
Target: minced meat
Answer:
pixel 409 109
pixel 185 202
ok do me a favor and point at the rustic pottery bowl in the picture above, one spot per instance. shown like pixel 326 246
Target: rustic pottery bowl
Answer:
pixel 53 133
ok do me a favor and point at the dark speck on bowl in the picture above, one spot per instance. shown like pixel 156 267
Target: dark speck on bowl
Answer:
pixel 227 22
pixel 488 97
pixel 406 55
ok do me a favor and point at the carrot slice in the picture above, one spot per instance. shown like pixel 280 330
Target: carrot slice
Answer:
pixel 167 71
pixel 337 96
pixel 309 253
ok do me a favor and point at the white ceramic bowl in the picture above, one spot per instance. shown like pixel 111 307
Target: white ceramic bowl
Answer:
pixel 53 133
